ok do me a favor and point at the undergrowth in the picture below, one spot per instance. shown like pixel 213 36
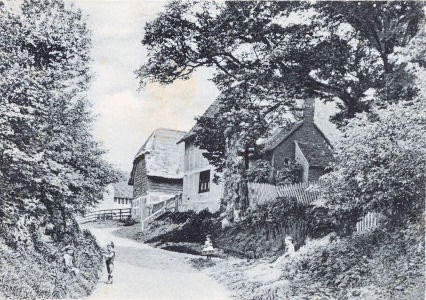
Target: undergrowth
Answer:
pixel 38 272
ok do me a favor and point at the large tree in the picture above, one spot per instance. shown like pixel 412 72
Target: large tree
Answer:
pixel 269 54
pixel 281 51
pixel 50 164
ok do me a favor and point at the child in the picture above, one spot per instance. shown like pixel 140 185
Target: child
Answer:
pixel 109 260
pixel 208 249
pixel 289 251
pixel 69 260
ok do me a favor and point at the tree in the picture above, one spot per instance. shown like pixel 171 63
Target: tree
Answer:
pixel 341 50
pixel 269 54
pixel 49 160
pixel 381 158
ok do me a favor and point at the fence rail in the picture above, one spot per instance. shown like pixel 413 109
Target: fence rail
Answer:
pixel 157 209
pixel 305 193
pixel 106 214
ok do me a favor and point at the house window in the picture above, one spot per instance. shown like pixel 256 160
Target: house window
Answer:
pixel 204 185
pixel 286 161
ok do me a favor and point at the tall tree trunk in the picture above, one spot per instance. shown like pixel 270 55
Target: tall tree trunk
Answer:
pixel 235 184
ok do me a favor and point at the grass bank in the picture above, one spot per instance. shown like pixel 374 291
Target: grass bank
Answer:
pixel 375 265
pixel 37 271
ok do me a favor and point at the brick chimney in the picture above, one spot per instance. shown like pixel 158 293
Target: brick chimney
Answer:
pixel 309 111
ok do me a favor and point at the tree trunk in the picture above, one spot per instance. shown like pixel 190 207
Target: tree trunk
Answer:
pixel 235 184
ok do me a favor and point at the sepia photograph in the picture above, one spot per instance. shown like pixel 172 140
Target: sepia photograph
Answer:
pixel 212 150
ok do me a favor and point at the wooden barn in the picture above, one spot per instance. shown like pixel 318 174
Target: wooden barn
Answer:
pixel 304 142
pixel 199 190
pixel 157 172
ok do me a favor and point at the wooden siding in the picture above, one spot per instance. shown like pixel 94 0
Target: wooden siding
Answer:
pixel 194 159
pixel 164 185
pixel 141 183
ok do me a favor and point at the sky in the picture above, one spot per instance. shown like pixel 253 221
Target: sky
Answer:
pixel 125 117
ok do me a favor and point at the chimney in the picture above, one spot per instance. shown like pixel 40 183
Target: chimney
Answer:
pixel 309 111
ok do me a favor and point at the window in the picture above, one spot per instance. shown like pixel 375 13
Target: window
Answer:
pixel 204 185
pixel 286 161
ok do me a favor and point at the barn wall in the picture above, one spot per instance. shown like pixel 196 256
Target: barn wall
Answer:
pixel 166 186
pixel 141 183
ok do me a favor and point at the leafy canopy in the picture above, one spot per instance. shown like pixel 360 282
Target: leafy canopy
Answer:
pixel 268 54
pixel 50 165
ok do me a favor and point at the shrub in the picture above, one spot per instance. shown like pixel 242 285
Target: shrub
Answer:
pixel 262 172
pixel 380 165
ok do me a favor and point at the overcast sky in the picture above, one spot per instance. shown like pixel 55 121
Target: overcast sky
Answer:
pixel 126 117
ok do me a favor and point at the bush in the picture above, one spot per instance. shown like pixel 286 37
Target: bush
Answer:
pixel 262 172
pixel 38 272
pixel 380 165
pixel 194 230
pixel 128 222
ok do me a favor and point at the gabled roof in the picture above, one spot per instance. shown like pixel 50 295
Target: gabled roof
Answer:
pixel 280 136
pixel 163 156
pixel 210 112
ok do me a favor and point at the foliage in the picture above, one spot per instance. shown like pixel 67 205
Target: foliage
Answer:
pixel 338 268
pixel 275 52
pixel 260 171
pixel 194 230
pixel 36 274
pixel 289 174
pixel 276 212
pixel 380 164
pixel 49 160
pixel 269 54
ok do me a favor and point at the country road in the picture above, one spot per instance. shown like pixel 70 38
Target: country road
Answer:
pixel 146 273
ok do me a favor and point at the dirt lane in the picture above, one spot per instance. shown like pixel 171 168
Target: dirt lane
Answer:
pixel 143 272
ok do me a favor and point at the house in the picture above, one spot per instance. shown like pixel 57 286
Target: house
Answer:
pixel 117 195
pixel 199 190
pixel 157 172
pixel 304 143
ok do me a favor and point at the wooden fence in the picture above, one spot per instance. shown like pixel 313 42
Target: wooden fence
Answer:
pixel 106 214
pixel 157 209
pixel 369 221
pixel 305 193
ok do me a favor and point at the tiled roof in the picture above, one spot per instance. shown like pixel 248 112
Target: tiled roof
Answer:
pixel 163 156
pixel 210 112
pixel 280 136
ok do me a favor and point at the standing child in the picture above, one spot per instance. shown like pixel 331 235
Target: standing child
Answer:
pixel 69 259
pixel 109 260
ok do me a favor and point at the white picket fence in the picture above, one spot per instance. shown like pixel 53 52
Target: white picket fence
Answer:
pixel 305 192
pixel 368 222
